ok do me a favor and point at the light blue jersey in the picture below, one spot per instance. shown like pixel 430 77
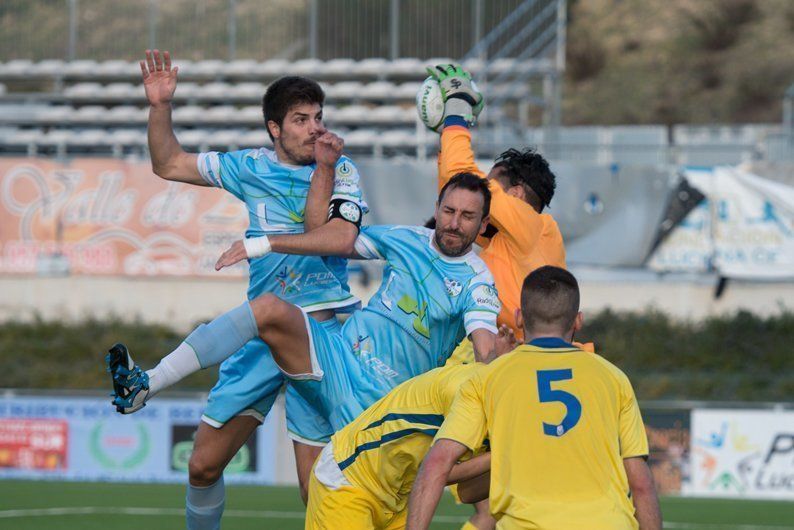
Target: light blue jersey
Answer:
pixel 275 197
pixel 426 304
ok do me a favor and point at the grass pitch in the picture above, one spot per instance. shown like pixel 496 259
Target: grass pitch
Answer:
pixel 26 505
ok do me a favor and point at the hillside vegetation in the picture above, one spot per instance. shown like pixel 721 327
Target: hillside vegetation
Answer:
pixel 678 61
pixel 740 357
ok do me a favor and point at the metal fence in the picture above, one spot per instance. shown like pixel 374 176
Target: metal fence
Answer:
pixel 257 29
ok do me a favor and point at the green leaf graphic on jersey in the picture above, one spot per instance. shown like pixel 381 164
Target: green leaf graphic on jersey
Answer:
pixel 297 217
pixel 411 307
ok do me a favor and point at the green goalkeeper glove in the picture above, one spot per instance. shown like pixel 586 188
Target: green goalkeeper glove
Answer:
pixel 461 97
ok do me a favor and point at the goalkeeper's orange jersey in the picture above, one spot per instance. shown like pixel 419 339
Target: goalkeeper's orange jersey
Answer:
pixel 526 240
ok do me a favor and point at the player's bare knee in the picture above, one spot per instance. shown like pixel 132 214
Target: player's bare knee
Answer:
pixel 203 469
pixel 268 309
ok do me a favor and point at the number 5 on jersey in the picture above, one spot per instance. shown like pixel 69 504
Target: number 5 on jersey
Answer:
pixel 573 408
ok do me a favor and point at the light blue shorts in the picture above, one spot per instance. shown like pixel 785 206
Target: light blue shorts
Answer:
pixel 249 382
pixel 336 385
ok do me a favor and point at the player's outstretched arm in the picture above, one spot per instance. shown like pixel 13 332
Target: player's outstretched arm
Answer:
pixel 643 493
pixel 328 240
pixel 169 160
pixel 471 468
pixel 484 342
pixel 430 482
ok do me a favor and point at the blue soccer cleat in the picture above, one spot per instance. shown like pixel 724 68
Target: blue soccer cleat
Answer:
pixel 130 383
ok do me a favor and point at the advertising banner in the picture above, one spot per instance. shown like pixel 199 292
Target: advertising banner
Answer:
pixel 743 229
pixel 111 217
pixel 69 438
pixel 743 453
pixel 668 440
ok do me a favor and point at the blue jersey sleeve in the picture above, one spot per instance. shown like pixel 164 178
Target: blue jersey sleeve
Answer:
pixel 482 305
pixel 222 170
pixel 346 183
pixel 371 241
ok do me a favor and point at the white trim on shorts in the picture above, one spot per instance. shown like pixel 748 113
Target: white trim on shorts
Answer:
pixel 247 412
pixel 317 372
pixel 327 470
pixel 295 437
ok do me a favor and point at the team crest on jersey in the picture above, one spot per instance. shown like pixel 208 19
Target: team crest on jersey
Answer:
pixel 453 287
pixel 289 280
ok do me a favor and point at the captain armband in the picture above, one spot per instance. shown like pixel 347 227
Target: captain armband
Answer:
pixel 346 210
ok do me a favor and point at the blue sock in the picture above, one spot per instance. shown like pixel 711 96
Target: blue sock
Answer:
pixel 218 340
pixel 204 506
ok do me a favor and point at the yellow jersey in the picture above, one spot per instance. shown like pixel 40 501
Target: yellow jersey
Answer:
pixel 526 240
pixel 560 422
pixel 381 450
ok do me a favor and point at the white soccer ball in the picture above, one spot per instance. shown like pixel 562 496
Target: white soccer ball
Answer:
pixel 430 104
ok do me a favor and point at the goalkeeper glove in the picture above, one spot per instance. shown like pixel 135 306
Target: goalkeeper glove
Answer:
pixel 461 97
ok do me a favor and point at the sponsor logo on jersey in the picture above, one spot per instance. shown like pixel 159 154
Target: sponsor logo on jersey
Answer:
pixel 319 278
pixel 289 280
pixel 345 179
pixel 343 170
pixel 362 346
pixel 487 296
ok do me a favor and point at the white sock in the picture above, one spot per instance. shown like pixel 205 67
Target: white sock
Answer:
pixel 172 368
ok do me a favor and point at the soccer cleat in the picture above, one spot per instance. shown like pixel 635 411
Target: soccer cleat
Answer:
pixel 130 383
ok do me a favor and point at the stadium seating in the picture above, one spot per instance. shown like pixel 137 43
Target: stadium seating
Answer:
pixel 85 104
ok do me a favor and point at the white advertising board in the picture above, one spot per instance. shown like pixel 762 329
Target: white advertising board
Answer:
pixel 742 453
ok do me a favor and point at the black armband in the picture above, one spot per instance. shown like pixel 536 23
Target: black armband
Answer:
pixel 345 210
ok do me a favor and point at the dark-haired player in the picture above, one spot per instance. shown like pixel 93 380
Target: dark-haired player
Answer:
pixel 274 184
pixel 520 237
pixel 568 446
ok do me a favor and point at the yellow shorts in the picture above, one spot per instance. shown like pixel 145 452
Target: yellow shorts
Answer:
pixel 348 507
pixel 463 354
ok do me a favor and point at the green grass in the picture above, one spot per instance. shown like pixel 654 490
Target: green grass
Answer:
pixel 249 507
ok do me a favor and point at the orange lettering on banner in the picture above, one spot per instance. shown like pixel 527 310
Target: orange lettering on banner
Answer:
pixel 112 217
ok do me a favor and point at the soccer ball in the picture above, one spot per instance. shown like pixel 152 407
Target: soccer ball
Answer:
pixel 430 104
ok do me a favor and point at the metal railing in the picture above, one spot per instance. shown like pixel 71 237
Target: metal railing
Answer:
pixel 249 29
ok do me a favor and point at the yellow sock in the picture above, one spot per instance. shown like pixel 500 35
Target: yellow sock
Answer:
pixel 468 526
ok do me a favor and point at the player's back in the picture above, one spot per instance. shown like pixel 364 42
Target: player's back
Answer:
pixel 560 422
pixel 382 449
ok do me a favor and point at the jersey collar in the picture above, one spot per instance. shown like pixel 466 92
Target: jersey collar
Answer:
pixel 550 342
pixel 273 157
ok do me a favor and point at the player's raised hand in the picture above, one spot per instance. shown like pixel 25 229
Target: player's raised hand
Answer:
pixel 455 83
pixel 461 96
pixel 505 341
pixel 328 149
pixel 159 79
pixel 233 254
